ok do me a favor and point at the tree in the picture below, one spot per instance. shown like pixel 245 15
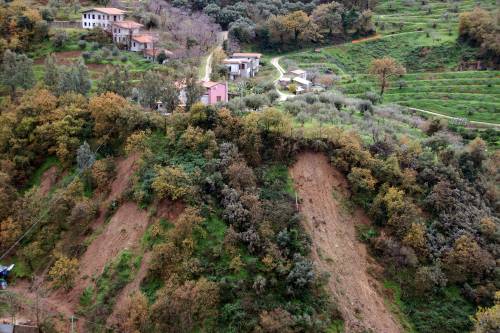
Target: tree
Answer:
pixel 277 320
pixel 487 320
pixel 51 76
pixel 194 91
pixel 170 96
pixel 16 71
pixel 181 308
pixel 116 80
pixel 150 90
pixel 384 69
pixel 85 158
pixel 108 110
pixel 362 180
pixel 75 79
pixel 466 260
pixel 63 272
pixel 479 27
pixel 171 182
pixel 328 16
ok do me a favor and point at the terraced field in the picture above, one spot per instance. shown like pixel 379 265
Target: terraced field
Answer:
pixel 412 15
pixel 473 95
pixel 423 37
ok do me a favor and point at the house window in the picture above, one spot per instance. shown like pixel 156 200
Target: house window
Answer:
pixel 84 15
pixel 134 43
pixel 114 18
pixel 219 98
pixel 98 17
pixel 119 30
pixel 93 24
pixel 93 16
pixel 242 66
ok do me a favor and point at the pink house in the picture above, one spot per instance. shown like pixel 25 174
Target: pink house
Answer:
pixel 215 92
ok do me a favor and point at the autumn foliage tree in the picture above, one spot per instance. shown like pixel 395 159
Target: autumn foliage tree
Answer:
pixel 384 69
pixel 63 272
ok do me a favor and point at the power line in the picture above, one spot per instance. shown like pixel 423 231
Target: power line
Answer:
pixel 43 215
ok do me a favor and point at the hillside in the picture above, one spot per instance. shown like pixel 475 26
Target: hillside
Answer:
pixel 252 166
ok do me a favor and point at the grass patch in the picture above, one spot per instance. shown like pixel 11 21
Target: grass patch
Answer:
pixel 97 302
pixel 36 178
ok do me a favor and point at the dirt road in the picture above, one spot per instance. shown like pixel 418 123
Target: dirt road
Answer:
pixel 208 65
pixel 276 63
pixel 335 248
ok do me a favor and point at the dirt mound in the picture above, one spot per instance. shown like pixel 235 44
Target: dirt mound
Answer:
pixel 49 178
pixel 335 248
pixel 123 231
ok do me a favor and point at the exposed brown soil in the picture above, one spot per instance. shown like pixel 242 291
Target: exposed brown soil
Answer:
pixel 365 39
pixel 335 248
pixel 49 178
pixel 123 231
pixel 125 168
pixel 65 57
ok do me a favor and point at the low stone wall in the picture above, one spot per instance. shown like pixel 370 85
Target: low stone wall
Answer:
pixel 66 24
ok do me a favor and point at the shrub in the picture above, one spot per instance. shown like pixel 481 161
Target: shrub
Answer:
pixel 63 272
pixel 82 44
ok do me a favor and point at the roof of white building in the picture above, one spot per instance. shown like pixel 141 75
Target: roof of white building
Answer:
pixel 128 24
pixel 236 61
pixel 247 55
pixel 106 10
pixel 302 81
pixel 298 72
pixel 144 39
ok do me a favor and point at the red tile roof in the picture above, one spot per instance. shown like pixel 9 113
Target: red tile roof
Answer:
pixel 106 10
pixel 128 24
pixel 143 38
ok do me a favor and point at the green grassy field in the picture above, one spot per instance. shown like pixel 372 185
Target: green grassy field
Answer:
pixel 473 95
pixel 423 37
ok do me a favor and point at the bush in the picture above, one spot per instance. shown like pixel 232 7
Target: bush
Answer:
pixel 63 272
pixel 82 44
pixel 124 58
pixel 59 39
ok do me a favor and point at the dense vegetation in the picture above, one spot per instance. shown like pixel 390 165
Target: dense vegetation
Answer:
pixel 237 258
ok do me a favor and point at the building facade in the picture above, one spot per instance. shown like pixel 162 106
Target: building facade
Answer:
pixel 243 65
pixel 101 17
pixel 216 92
pixel 124 30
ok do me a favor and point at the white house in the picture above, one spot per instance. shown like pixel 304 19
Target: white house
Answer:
pixel 303 85
pixel 142 42
pixel 243 65
pixel 254 60
pixel 299 73
pixel 238 68
pixel 124 30
pixel 101 17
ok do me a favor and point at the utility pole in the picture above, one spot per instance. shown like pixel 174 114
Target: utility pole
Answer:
pixel 72 318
